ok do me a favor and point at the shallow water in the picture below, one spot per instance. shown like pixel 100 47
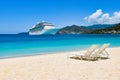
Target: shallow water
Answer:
pixel 20 45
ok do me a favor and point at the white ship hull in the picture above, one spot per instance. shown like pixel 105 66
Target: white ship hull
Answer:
pixel 45 31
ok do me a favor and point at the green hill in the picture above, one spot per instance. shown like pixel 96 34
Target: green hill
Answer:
pixel 75 29
pixel 110 30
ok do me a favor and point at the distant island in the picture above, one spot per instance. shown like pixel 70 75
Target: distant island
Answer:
pixel 75 29
pixel 48 28
pixel 94 29
pixel 110 30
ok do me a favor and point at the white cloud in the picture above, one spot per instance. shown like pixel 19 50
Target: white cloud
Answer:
pixel 99 17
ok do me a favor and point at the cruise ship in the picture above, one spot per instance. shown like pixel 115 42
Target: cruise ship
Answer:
pixel 42 28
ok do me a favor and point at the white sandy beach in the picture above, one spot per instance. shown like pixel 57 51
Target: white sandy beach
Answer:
pixel 60 67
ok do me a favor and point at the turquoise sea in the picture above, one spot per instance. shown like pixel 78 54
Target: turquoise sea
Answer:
pixel 12 45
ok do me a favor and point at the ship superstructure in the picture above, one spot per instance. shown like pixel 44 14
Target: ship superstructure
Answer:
pixel 41 28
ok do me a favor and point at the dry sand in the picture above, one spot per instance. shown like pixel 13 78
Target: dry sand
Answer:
pixel 60 67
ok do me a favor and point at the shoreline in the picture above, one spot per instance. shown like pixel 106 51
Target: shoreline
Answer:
pixel 59 67
pixel 49 53
pixel 38 54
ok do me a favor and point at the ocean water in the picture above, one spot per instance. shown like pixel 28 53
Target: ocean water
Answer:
pixel 23 45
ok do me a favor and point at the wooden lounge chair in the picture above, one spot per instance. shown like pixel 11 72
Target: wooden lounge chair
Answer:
pixel 101 52
pixel 85 55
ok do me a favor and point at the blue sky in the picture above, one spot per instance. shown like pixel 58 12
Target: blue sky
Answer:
pixel 20 15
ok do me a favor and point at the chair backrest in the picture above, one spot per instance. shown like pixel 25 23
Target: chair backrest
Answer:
pixel 102 48
pixel 90 50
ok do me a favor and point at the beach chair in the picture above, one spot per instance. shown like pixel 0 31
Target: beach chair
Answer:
pixel 86 54
pixel 101 52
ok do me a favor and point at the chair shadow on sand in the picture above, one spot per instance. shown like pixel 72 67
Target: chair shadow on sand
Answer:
pixel 77 58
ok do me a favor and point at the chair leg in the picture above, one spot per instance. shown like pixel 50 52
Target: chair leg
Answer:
pixel 106 53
